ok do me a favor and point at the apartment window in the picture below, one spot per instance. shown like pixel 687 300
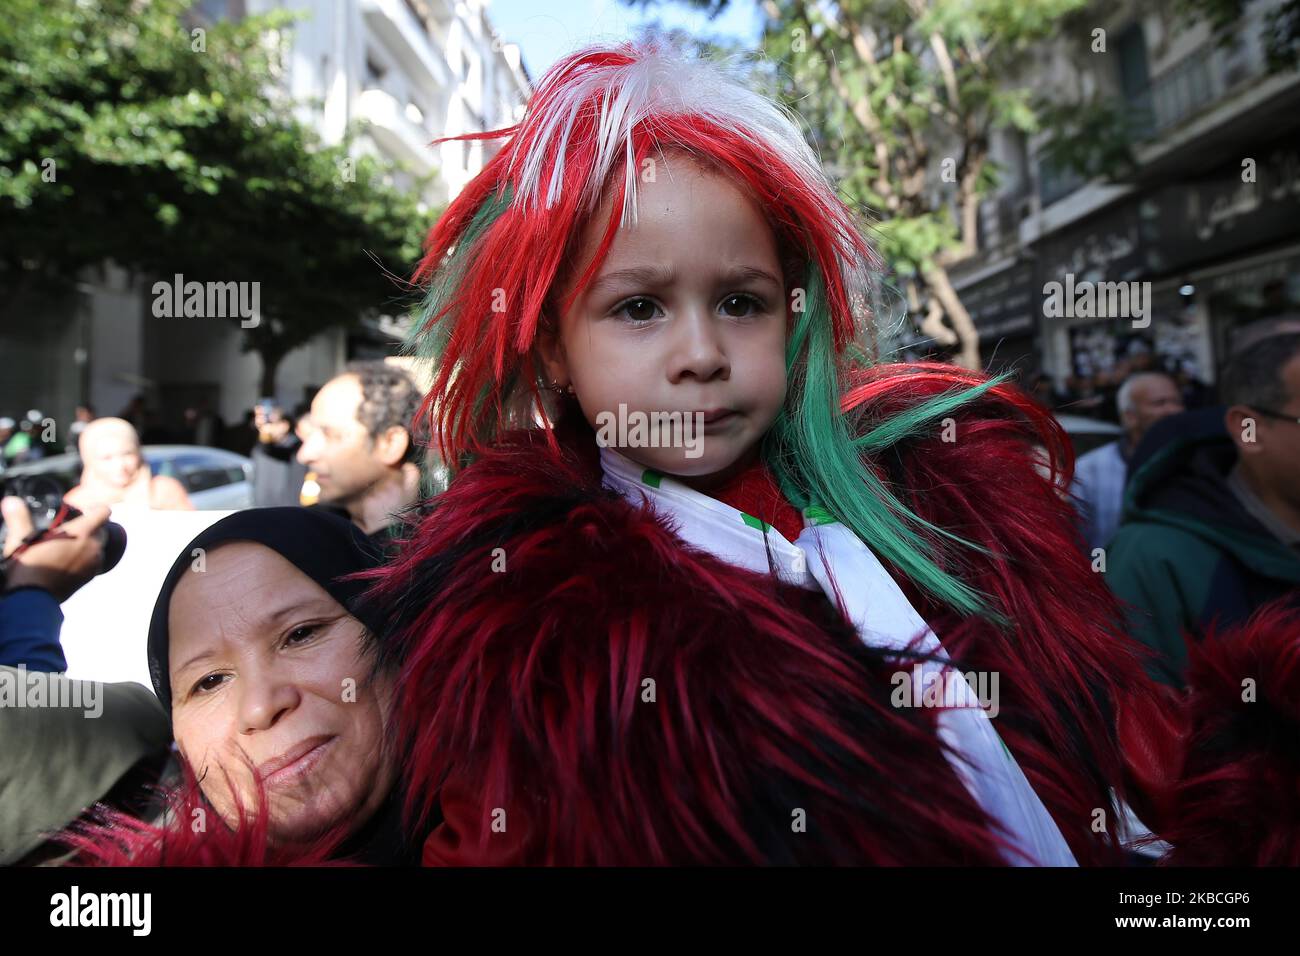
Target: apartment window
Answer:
pixel 1056 182
pixel 1134 77
pixel 374 71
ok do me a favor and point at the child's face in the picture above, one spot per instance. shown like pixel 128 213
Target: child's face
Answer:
pixel 687 314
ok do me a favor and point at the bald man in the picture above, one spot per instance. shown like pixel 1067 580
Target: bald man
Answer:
pixel 114 474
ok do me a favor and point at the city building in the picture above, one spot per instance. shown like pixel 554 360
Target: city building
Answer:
pixel 1208 218
pixel 401 73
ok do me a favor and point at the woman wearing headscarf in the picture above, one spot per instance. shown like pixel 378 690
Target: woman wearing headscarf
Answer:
pixel 266 661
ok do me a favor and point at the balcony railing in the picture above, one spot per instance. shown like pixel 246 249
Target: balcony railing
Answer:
pixel 393 130
pixel 1203 77
pixel 1057 182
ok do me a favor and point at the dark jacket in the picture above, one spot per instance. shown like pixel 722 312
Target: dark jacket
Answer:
pixel 277 473
pixel 1188 553
pixel 30 621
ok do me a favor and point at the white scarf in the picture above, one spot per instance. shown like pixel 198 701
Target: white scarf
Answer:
pixel 825 552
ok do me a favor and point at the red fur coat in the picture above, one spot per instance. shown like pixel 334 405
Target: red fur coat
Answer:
pixel 531 607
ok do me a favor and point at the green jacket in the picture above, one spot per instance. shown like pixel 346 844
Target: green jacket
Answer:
pixel 56 761
pixel 1188 553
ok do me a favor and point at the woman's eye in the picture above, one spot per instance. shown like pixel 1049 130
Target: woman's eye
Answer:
pixel 300 634
pixel 209 683
pixel 638 310
pixel 740 306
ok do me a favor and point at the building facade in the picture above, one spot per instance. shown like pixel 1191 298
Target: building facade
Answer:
pixel 1204 230
pixel 400 73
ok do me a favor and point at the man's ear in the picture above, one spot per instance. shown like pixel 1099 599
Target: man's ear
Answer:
pixel 1242 424
pixel 391 445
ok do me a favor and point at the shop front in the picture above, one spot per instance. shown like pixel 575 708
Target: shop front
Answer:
pixel 1087 343
pixel 1003 308
pixel 1228 241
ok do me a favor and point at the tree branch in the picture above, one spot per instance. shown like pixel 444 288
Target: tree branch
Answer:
pixel 860 106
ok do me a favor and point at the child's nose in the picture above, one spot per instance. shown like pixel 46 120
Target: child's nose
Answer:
pixel 699 351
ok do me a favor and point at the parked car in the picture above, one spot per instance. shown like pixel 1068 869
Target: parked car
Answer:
pixel 215 479
pixel 1088 433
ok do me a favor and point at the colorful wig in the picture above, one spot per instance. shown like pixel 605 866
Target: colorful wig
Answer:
pixel 495 262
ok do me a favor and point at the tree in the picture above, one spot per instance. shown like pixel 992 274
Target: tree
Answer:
pixel 131 133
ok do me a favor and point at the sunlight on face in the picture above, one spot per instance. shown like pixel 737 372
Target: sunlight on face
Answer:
pixel 268 671
pixel 112 455
pixel 337 447
pixel 687 314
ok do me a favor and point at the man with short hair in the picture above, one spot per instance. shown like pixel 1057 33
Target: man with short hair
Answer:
pixel 361 448
pixel 84 415
pixel 1212 519
pixel 277 474
pixel 1099 476
pixel 114 473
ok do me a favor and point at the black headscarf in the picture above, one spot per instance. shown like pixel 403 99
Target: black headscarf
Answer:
pixel 321 545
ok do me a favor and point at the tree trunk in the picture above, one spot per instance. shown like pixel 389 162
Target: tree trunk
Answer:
pixel 270 363
pixel 967 336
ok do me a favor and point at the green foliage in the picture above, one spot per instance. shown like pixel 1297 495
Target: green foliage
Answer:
pixel 128 136
pixel 919 112
pixel 1093 138
pixel 912 242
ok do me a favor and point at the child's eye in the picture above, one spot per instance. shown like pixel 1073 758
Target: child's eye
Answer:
pixel 741 306
pixel 638 310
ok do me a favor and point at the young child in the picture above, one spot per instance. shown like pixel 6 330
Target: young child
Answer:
pixel 704 576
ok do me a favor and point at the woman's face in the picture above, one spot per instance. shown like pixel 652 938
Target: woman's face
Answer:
pixel 270 672
pixel 687 314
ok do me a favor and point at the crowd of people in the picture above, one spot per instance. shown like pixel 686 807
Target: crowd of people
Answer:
pixel 593 652
pixel 1097 394
pixel 1199 511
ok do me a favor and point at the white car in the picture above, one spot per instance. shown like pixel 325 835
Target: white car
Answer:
pixel 215 479
pixel 1088 433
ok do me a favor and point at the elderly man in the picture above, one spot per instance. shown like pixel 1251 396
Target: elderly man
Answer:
pixel 114 474
pixel 1100 475
pixel 1212 529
